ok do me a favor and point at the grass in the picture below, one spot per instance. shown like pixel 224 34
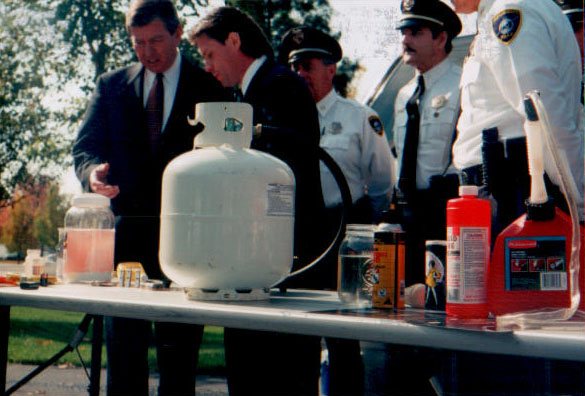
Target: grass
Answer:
pixel 36 335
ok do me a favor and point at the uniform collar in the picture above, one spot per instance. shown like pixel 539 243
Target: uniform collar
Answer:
pixel 327 102
pixel 435 73
pixel 250 72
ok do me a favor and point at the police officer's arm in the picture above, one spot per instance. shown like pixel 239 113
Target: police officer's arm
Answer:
pixel 526 60
pixel 376 162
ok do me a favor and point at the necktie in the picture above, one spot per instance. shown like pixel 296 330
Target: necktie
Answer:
pixel 238 95
pixel 407 181
pixel 154 112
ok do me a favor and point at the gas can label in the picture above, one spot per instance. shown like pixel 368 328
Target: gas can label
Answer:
pixel 280 199
pixel 467 258
pixel 536 263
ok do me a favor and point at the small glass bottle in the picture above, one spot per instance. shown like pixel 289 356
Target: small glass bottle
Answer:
pixel 89 227
pixel 356 254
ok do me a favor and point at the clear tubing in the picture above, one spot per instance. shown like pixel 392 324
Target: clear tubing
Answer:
pixel 537 130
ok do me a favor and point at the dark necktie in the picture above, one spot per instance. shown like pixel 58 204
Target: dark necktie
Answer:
pixel 407 181
pixel 154 111
pixel 238 95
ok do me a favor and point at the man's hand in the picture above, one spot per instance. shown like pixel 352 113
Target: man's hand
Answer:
pixel 98 182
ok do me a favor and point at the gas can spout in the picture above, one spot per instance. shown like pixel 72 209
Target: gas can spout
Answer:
pixel 535 146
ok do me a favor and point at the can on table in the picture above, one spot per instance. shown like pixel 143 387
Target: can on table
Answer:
pixel 435 274
pixel 389 254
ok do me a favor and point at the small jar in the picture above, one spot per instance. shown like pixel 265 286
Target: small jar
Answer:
pixel 356 254
pixel 89 241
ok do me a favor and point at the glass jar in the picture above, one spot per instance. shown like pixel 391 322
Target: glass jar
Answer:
pixel 89 241
pixel 355 265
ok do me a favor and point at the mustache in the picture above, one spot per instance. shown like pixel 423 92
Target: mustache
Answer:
pixel 408 48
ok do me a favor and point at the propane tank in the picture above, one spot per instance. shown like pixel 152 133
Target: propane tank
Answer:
pixel 227 212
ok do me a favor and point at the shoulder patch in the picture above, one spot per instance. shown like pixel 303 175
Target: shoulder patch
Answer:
pixel 507 24
pixel 376 124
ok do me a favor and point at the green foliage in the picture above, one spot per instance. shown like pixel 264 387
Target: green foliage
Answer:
pixel 49 216
pixel 29 146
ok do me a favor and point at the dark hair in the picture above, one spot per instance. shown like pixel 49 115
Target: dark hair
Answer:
pixel 143 12
pixel 436 30
pixel 220 22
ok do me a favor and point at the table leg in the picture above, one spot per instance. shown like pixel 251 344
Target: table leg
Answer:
pixel 4 332
pixel 96 356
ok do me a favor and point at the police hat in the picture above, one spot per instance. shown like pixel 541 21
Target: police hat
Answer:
pixel 429 13
pixel 307 42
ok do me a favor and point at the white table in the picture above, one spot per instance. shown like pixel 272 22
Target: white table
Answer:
pixel 302 312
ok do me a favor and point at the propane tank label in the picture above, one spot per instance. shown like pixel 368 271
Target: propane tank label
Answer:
pixel 536 263
pixel 467 258
pixel 280 199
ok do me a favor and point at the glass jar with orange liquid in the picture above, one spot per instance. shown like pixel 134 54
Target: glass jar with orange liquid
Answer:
pixel 89 251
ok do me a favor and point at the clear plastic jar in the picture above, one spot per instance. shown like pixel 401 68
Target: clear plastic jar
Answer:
pixel 356 254
pixel 89 227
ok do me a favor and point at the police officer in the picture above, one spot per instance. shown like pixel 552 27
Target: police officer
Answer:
pixel 425 115
pixel 353 135
pixel 520 46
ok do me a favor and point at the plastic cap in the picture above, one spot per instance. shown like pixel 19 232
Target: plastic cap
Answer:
pixel 468 190
pixel 91 200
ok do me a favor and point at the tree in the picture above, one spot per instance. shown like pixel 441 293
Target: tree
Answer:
pixel 18 234
pixel 51 53
pixel 276 17
pixel 49 216
pixel 31 144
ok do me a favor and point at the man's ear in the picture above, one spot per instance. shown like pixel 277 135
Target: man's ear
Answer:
pixel 442 39
pixel 233 40
pixel 332 69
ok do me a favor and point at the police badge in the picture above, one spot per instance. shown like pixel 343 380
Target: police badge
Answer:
pixel 335 128
pixel 407 5
pixel 506 25
pixel 297 35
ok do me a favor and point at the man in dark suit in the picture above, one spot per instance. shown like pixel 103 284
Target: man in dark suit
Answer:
pixel 135 124
pixel 237 53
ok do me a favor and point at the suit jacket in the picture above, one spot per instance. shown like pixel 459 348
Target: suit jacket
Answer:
pixel 114 131
pixel 280 98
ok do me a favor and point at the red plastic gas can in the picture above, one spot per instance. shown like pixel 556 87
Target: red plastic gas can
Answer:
pixel 468 254
pixel 530 266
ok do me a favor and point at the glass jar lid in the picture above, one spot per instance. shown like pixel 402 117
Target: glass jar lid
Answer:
pixel 91 200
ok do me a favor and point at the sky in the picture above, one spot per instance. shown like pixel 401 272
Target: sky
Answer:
pixel 368 35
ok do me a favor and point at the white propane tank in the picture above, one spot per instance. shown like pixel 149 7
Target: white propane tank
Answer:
pixel 227 214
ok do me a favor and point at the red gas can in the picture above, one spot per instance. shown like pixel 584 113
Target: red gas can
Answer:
pixel 530 265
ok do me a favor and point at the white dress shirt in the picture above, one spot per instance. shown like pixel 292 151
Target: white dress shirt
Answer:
pixel 439 109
